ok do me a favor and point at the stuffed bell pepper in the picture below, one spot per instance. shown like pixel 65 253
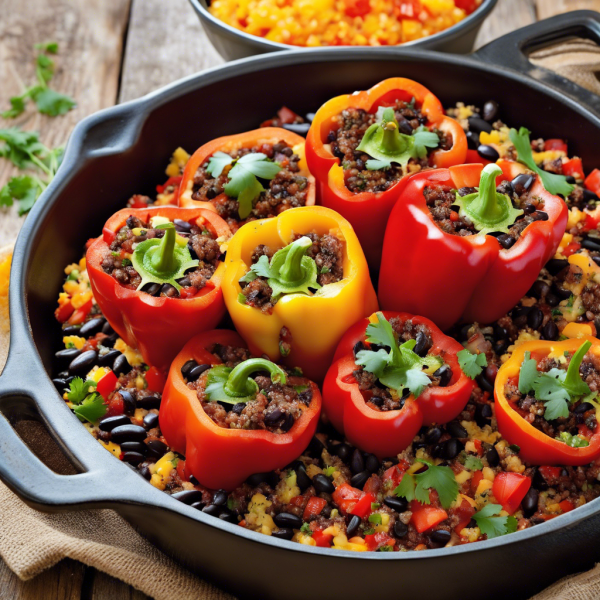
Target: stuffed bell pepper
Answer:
pixel 392 374
pixel 360 146
pixel 470 254
pixel 248 176
pixel 294 285
pixel 232 415
pixel 546 401
pixel 156 274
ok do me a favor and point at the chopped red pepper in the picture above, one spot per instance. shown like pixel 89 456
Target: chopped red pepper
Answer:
pixel 107 384
pixel 346 497
pixel 573 167
pixel 474 482
pixel 592 181
pixel 566 505
pixel 363 507
pixel 464 513
pixel 356 8
pixel 64 311
pixel 314 506
pixel 156 379
pixel 181 470
pixel 80 314
pixel 510 489
pixel 571 249
pixel 116 406
pixel 555 144
pixel 426 516
pixel 323 540
pixel 374 541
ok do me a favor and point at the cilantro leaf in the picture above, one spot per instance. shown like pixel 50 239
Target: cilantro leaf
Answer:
pixel 528 374
pixel 406 487
pixel 5 196
pixel 258 164
pixel 24 188
pixel 17 106
pixel 44 67
pixel 374 362
pixel 92 409
pixel 493 525
pixel 217 162
pixel 472 463
pixel 555 408
pixel 51 47
pixel 575 441
pixel 573 382
pixel 555 184
pixel 51 103
pixel 381 332
pixel 440 479
pixel 471 364
pixel 423 139
pixel 79 389
pixel 375 165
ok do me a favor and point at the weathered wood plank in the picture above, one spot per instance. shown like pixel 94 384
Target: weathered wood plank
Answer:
pixel 105 587
pixel 163 46
pixel 507 16
pixel 90 36
pixel 549 8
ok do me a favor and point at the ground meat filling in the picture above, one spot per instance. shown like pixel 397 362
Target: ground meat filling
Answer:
pixel 288 189
pixel 353 123
pixel 275 408
pixel 580 412
pixel 441 201
pixel 201 244
pixel 376 395
pixel 328 253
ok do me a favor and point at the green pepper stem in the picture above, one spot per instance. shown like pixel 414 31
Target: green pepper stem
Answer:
pixel 292 270
pixel 486 206
pixel 163 258
pixel 239 384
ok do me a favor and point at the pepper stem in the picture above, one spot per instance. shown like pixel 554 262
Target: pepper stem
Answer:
pixel 292 269
pixel 239 384
pixel 163 258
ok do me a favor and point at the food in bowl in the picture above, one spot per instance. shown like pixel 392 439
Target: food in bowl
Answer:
pixel 466 470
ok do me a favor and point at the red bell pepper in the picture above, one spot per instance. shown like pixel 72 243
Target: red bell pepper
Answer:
pixel 314 506
pixel 369 211
pixel 555 144
pixel 78 317
pixel 157 326
pixel 156 379
pixel 573 167
pixel 464 513
pixel 107 384
pixel 346 498
pixel 536 447
pixel 231 143
pixel 374 541
pixel 510 489
pixel 323 540
pixel 220 457
pixel 426 516
pixel 468 277
pixel 64 311
pixel 388 433
pixel 592 181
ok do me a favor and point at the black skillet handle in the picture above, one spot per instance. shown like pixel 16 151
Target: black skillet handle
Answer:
pixel 511 50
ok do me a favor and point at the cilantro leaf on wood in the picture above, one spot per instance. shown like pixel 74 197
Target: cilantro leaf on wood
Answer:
pixel 555 184
pixel 51 103
pixel 493 525
pixel 17 106
pixel 471 364
pixel 92 409
pixel 440 479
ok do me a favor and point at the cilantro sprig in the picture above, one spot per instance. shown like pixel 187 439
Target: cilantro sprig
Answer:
pixel 49 102
pixel 243 182
pixel 555 184
pixel 471 364
pixel 89 405
pixel 399 367
pixel 417 487
pixel 490 522
pixel 79 389
pixel 557 388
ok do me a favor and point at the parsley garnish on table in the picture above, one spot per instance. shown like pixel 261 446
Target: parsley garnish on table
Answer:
pixel 490 522
pixel 557 388
pixel 48 101
pixel 471 364
pixel 399 367
pixel 555 184
pixel 243 182
pixel 440 479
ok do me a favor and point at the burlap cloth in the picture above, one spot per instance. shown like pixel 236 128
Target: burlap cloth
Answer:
pixel 31 542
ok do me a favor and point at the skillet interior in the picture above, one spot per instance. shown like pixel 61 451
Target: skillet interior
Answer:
pixel 124 151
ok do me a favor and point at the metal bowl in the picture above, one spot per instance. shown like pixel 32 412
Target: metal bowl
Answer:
pixel 123 150
pixel 231 43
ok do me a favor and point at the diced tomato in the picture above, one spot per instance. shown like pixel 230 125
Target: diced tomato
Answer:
pixel 356 8
pixel 107 384
pixel 64 311
pixel 478 446
pixel 323 540
pixel 393 476
pixel 592 181
pixel 155 379
pixel 137 201
pixel 346 497
pixel 467 5
pixel 188 292
pixel 477 477
pixel 550 474
pixel 374 541
pixel 363 507
pixel 407 9
pixel 287 116
pixel 473 157
pixel 555 144
pixel 453 216
pixel 297 501
pixel 465 513
pixel 116 406
pixel 510 489
pixel 592 219
pixel 80 314
pixel 373 485
pixel 314 506
pixel 181 470
pixel 566 505
pixel 571 249
pixel 425 516
pixel 172 181
pixel 573 167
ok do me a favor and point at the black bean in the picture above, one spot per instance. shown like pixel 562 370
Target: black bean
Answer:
pixel 169 290
pixel 403 125
pixel 477 124
pixel 188 496
pixel 371 463
pixel 500 347
pixel 107 360
pixel 187 367
pixel 484 384
pixel 151 421
pixel 377 401
pixel 528 208
pixel 152 288
pixel 562 293
pixel 83 363
pixel 302 479
pixel 589 244
pixel 357 463
pixel 540 215
pixel 198 505
pixel 535 318
pixel 133 458
pixel 353 526
pixel 444 373
pixel 184 282
pixel 488 152
pixel 570 179
pixel 550 331
pixel 440 537
pixel 451 448
pixel 530 502
pixel 522 182
pixel 506 241
pixel 156 448
pixel 590 196
pixel 326 512
pixel 299 128
pixel 139 447
pixel 464 332
pixel 359 480
pixel 92 327
pixel 323 484
pixel 538 481
pixel 212 509
pixel 539 289
pixel 493 457
pixel 433 435
pixel 398 504
pixel 273 417
pixel 288 422
pixel 128 402
pixel 110 423
pixel 556 265
pixel 121 365
pixel 343 451
pixel 228 515
pixel 107 329
pixel 400 529
pixel 551 299
pixel 182 226
pixel 220 497
pixel 490 110
pixel 148 401
pixel 582 408
pixel 456 430
pixel 287 520
pixel 283 534
pixel 67 355
pixel 128 433
pixel 358 347
pixel 483 414
pixel 258 478
pixel 145 472
pixel 416 445
pixel 473 140
pixel 109 342
pixel 596 259
pixel 238 408
pixel 422 344
pixel 316 446
pixel 71 330
pixel 195 372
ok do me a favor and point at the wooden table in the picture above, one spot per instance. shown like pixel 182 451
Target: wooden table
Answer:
pixel 113 51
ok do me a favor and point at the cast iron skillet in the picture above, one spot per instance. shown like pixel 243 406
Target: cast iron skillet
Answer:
pixel 231 43
pixel 123 150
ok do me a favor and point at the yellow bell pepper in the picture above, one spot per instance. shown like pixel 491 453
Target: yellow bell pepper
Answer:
pixel 315 321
